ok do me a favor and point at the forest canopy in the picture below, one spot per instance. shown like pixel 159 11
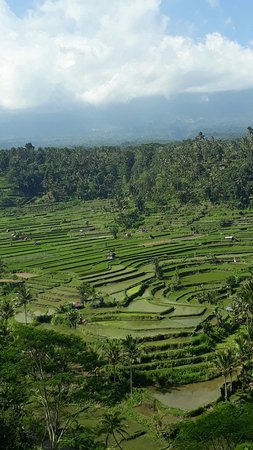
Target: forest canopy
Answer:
pixel 190 171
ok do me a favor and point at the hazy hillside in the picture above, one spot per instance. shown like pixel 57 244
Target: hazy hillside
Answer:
pixel 179 117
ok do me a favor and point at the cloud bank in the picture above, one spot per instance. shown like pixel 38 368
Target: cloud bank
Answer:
pixel 66 51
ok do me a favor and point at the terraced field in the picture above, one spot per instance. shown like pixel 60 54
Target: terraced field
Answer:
pixel 56 248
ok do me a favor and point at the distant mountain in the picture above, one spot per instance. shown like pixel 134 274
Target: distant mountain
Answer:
pixel 147 119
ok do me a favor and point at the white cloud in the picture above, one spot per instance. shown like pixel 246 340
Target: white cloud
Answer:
pixel 100 52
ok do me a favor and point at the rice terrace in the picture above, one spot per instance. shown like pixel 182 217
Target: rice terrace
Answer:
pixel 71 244
pixel 169 277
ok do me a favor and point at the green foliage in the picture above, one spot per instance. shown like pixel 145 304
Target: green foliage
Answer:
pixel 129 219
pixel 81 438
pixel 187 172
pixel 112 424
pixel 114 229
pixel 112 352
pixel 7 309
pixel 157 269
pixel 245 446
pixel 245 297
pixel 132 354
pixel 39 372
pixel 87 292
pixel 3 266
pixel 24 298
pixel 224 427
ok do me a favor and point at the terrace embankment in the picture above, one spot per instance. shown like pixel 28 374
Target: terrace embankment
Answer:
pixel 170 311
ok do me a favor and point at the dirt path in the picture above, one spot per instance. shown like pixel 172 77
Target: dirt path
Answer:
pixel 167 241
pixel 9 280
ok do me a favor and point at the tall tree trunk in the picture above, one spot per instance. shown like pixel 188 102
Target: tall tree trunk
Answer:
pixel 131 379
pixel 25 308
pixel 225 388
pixel 231 380
pixel 106 440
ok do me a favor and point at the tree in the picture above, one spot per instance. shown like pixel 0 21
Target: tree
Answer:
pixel 244 343
pixel 200 136
pixel 157 269
pixel 225 360
pixel 24 298
pixel 132 354
pixel 114 229
pixel 207 327
pixel 223 427
pixel 245 297
pixel 231 283
pixel 59 369
pixel 29 146
pixel 82 438
pixel 176 282
pixel 219 316
pixel 17 418
pixel 112 424
pixel 87 292
pixel 113 354
pixel 6 312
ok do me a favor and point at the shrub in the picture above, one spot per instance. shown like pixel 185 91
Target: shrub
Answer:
pixel 43 318
pixel 245 446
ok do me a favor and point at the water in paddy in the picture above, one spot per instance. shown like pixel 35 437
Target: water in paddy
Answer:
pixel 20 316
pixel 191 396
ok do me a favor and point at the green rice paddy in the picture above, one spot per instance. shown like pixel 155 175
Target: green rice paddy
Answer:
pixel 69 243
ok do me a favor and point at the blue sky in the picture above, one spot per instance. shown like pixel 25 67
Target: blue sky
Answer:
pixel 87 52
pixel 233 18
pixel 19 7
pixel 194 18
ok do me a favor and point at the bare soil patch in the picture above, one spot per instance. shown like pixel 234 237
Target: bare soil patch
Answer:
pixel 25 275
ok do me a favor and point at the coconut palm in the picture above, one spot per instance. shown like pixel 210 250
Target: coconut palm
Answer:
pixel 112 424
pixel 24 298
pixel 225 360
pixel 245 297
pixel 6 312
pixel 113 353
pixel 244 343
pixel 132 354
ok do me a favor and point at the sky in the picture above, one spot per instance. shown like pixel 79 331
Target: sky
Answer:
pixel 60 54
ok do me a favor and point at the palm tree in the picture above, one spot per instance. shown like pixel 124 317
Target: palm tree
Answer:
pixel 24 298
pixel 6 312
pixel 244 343
pixel 245 297
pixel 132 353
pixel 112 424
pixel 225 360
pixel 113 353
